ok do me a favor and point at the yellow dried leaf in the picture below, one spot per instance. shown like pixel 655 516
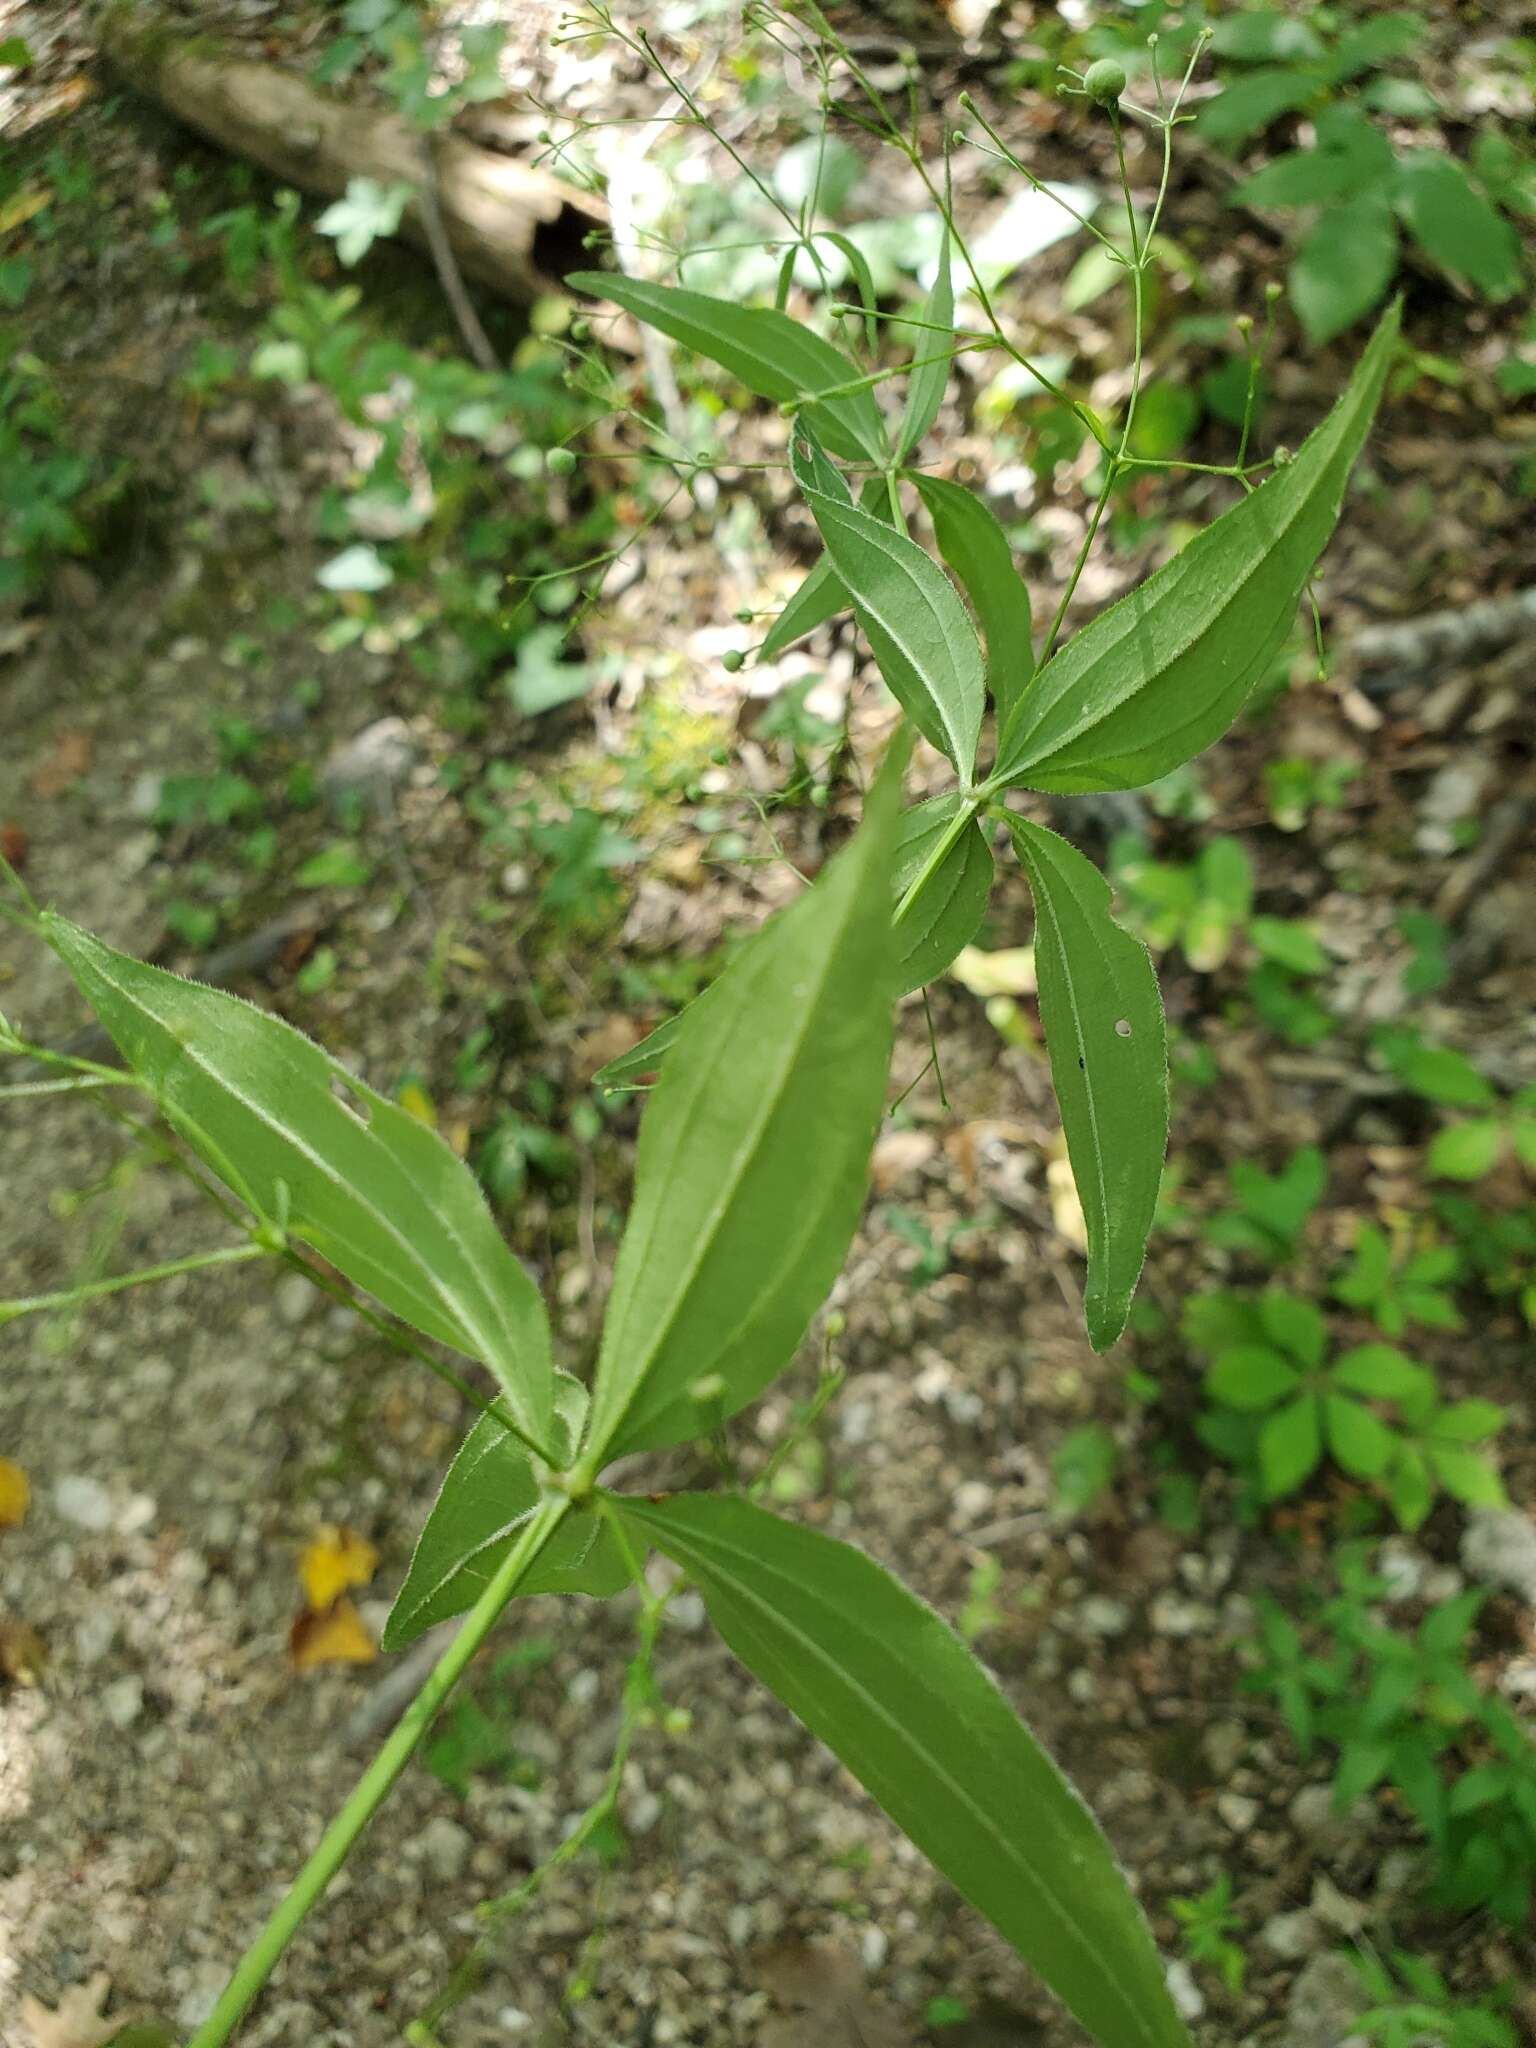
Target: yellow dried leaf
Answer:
pixel 416 1102
pixel 15 1494
pixel 20 209
pixel 1066 1205
pixel 1008 973
pixel 76 2022
pixel 335 1637
pixel 23 1653
pixel 339 1558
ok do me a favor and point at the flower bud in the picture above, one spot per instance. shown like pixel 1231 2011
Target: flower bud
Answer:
pixel 1104 82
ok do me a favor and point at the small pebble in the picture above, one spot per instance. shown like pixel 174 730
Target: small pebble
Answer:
pixel 123 1700
pixel 83 1501
pixel 446 1847
pixel 1101 1616
pixel 1291 1935
pixel 295 1297
pixel 1184 1991
pixel 1238 1812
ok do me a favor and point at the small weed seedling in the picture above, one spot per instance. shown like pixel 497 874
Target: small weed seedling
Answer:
pixel 1209 1930
pixel 1412 2006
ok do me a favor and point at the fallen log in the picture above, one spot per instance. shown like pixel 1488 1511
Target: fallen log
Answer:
pixel 511 227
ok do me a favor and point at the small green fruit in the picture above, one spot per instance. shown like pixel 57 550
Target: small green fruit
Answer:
pixel 731 660
pixel 560 462
pixel 581 330
pixel 1104 82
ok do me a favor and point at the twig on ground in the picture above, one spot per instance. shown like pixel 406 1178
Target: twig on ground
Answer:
pixel 1444 636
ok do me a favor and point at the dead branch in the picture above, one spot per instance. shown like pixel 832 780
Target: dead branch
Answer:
pixel 512 227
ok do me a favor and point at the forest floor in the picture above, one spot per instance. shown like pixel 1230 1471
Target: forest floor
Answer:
pixel 169 1768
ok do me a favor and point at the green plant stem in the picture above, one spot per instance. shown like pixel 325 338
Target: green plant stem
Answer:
pixel 66 1297
pixel 421 2033
pixel 82 1082
pixel 335 1845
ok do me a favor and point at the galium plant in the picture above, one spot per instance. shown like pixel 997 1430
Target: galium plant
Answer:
pixel 754 1144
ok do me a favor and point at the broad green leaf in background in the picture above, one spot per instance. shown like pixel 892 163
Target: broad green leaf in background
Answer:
pixel 766 350
pixel 1247 107
pixel 976 548
pixel 1290 1445
pixel 924 644
pixel 895 1694
pixel 944 917
pixel 1466 1150
pixel 1158 676
pixel 1344 266
pixel 926 383
pixel 1454 224
pixel 1263 35
pixel 315 1152
pixel 822 595
pixel 1103 1020
pixel 1352 156
pixel 1374 41
pixel 754 1155
pixel 488 1495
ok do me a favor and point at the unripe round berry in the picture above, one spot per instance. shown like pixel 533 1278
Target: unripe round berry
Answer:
pixel 731 660
pixel 1104 82
pixel 560 462
pixel 581 330
pixel 744 616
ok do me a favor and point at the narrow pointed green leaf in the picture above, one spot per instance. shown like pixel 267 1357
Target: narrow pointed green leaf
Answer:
pixel 754 1156
pixel 763 348
pixel 489 1493
pixel 894 1693
pixel 917 628
pixel 863 277
pixel 1103 1020
pixel 944 917
pixel 977 549
pixel 340 1167
pixel 1165 671
pixel 822 595
pixel 926 384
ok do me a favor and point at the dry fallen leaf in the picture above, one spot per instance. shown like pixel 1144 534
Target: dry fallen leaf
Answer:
pixel 337 1560
pixel 19 209
pixel 76 2021
pixel 70 759
pixel 1066 1208
pixel 820 1990
pixel 13 842
pixel 898 1154
pixel 1008 973
pixel 336 1636
pixel 23 1653
pixel 15 1493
